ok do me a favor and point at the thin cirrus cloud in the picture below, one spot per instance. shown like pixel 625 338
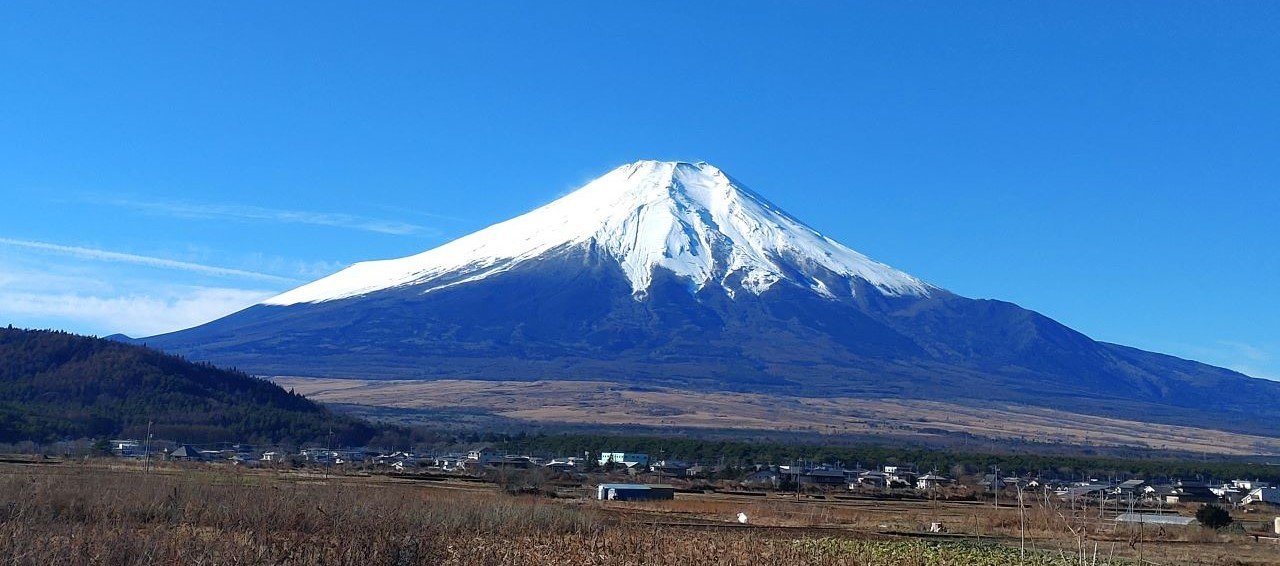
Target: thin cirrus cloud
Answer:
pixel 1254 360
pixel 150 261
pixel 246 212
pixel 136 314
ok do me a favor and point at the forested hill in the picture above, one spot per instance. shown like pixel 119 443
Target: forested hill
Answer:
pixel 56 385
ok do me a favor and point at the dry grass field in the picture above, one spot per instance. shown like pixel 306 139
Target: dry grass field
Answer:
pixel 589 402
pixel 108 512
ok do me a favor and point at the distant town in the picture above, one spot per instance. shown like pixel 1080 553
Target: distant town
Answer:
pixel 1133 499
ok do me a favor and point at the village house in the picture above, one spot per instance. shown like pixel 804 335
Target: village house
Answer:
pixel 484 456
pixel 126 448
pixel 671 468
pixel 932 481
pixel 451 463
pixel 1189 492
pixel 510 461
pixel 1249 485
pixel 350 456
pixel 1129 488
pixel 317 455
pixel 991 482
pixel 899 477
pixel 896 482
pixel 1085 490
pixel 569 464
pixel 185 453
pixel 762 479
pixel 822 477
pixel 871 479
pixel 1262 495
pixel 627 459
pixel 634 492
pixel 1229 493
pixel 852 474
pixel 698 470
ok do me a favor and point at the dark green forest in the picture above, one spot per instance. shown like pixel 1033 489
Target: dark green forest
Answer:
pixel 56 385
pixel 739 453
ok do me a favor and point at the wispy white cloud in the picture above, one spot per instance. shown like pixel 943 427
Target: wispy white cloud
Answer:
pixel 142 314
pixel 308 270
pixel 1255 360
pixel 93 297
pixel 150 261
pixel 1245 351
pixel 182 209
pixel 1255 371
pixel 420 213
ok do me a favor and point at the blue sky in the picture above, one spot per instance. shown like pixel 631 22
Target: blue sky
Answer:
pixel 1111 164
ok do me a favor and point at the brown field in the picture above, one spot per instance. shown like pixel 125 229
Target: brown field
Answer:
pixel 590 402
pixel 108 512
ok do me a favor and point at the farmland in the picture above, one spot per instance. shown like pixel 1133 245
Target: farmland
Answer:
pixel 112 512
pixel 598 403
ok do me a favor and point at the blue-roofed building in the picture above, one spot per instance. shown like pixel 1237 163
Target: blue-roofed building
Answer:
pixel 634 492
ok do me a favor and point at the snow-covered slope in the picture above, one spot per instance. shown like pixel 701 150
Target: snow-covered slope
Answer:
pixel 689 218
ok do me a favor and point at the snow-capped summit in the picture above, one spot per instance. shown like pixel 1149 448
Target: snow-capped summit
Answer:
pixel 689 218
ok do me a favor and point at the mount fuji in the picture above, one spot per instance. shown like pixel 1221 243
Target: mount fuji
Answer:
pixel 675 275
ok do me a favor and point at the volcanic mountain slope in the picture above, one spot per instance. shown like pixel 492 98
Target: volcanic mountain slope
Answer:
pixel 675 274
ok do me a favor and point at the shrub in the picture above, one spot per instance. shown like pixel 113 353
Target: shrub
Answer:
pixel 1213 516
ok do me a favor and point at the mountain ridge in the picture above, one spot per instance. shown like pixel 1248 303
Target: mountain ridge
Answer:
pixel 805 316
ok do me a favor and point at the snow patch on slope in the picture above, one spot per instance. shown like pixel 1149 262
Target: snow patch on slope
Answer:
pixel 689 218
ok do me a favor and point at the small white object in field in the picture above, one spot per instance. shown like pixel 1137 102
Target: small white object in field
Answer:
pixel 937 528
pixel 742 518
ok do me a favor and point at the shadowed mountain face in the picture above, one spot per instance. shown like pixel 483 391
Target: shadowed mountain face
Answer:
pixel 535 323
pixel 672 274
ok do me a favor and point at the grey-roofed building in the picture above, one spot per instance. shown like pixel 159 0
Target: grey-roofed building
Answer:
pixel 1089 491
pixel 185 452
pixel 1131 486
pixel 932 481
pixel 1187 492
pixel 822 476
pixel 1156 519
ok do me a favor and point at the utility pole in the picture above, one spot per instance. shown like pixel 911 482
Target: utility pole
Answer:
pixel 146 451
pixel 995 484
pixel 795 469
pixel 329 455
pixel 1022 527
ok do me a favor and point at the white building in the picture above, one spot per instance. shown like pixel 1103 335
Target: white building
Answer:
pixel 1249 485
pixel 1262 495
pixel 484 456
pixel 932 481
pixel 628 459
pixel 126 448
